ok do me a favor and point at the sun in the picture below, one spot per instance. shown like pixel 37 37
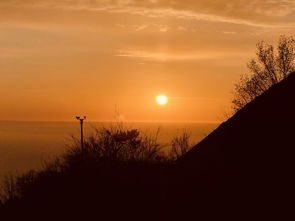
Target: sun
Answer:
pixel 162 99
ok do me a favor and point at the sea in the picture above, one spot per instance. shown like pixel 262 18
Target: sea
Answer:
pixel 29 145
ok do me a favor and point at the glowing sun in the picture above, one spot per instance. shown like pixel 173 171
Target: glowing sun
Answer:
pixel 162 99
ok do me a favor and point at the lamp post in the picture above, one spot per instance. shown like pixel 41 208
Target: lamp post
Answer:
pixel 81 119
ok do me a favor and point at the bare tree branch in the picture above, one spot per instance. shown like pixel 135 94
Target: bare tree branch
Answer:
pixel 269 68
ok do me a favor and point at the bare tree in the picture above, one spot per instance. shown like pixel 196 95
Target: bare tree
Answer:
pixel 270 66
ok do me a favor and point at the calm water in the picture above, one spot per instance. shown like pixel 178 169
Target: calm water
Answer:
pixel 26 145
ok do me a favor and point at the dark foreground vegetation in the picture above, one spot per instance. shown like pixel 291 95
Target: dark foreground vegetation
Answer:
pixel 120 173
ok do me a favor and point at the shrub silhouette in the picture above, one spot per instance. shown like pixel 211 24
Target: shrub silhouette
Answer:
pixel 180 145
pixel 269 68
pixel 116 144
pixel 115 166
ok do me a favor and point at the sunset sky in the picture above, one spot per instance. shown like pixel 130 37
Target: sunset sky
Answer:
pixel 60 58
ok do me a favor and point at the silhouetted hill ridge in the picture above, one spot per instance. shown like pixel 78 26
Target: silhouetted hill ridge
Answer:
pixel 247 163
pixel 252 152
pixel 266 123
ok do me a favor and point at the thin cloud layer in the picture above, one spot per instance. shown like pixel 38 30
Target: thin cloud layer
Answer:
pixel 267 13
pixel 170 57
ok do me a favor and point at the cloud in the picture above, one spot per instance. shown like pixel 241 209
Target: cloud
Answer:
pixel 148 27
pixel 229 32
pixel 170 57
pixel 141 27
pixel 266 13
pixel 164 28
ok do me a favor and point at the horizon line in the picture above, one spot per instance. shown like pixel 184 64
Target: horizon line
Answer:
pixel 113 121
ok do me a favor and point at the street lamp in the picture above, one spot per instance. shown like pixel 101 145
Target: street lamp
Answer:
pixel 81 119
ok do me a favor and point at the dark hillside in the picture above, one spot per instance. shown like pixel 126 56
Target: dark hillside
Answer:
pixel 249 160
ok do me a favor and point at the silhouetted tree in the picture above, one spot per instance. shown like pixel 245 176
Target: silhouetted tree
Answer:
pixel 270 66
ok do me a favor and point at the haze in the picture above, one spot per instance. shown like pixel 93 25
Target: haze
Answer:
pixel 60 58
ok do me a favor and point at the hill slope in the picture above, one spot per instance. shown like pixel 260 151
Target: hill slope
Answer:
pixel 262 132
pixel 249 159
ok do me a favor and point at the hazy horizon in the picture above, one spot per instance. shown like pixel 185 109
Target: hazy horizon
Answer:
pixel 27 145
pixel 115 122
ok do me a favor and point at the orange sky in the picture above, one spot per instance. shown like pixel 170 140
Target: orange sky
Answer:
pixel 60 58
